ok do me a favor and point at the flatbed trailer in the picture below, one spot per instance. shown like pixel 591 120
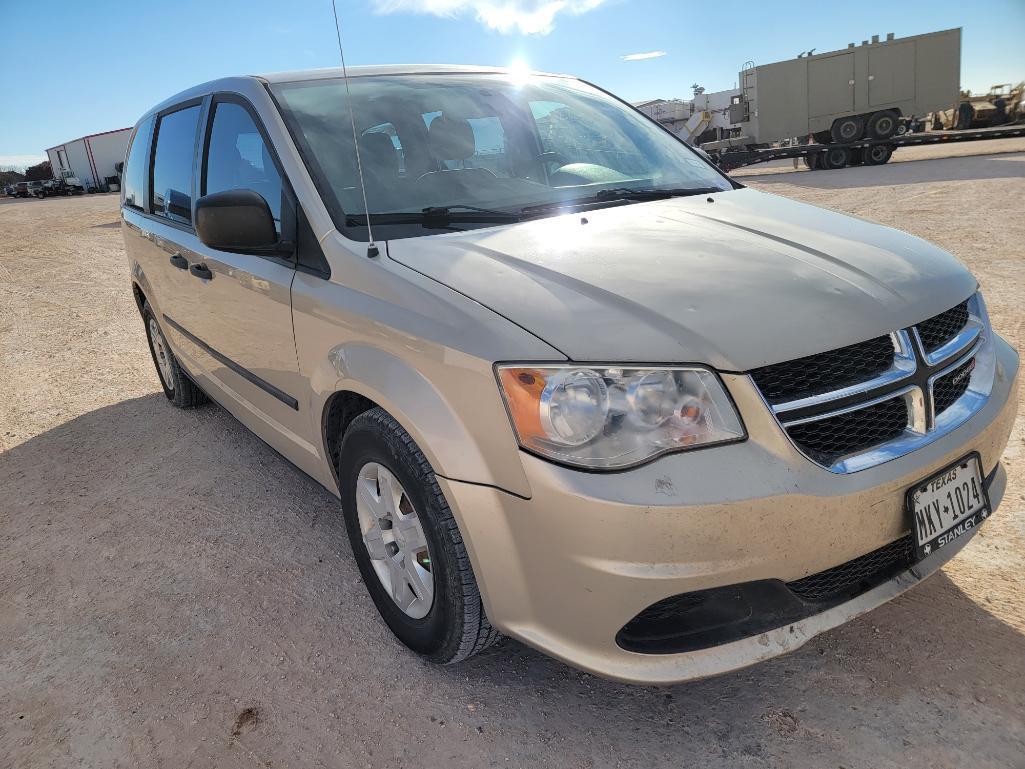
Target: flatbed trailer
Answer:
pixel 862 152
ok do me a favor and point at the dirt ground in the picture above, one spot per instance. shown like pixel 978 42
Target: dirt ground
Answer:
pixel 174 594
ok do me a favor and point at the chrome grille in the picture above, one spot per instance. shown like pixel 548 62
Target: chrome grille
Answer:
pixel 866 403
pixel 940 329
pixel 825 371
pixel 826 440
pixel 949 387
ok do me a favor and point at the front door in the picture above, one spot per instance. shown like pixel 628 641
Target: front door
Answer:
pixel 240 309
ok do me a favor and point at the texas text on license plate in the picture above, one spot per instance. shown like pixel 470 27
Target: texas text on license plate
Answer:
pixel 948 505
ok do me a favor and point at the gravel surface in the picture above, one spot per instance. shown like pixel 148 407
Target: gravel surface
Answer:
pixel 173 593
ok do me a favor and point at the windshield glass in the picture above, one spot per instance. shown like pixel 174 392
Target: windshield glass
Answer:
pixel 456 144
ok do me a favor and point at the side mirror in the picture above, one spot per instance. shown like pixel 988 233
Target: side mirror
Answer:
pixel 235 220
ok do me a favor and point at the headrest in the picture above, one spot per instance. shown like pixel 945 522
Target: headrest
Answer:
pixel 378 152
pixel 451 138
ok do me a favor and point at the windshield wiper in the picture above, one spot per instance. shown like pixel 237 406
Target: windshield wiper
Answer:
pixel 618 194
pixel 437 216
pixel 642 193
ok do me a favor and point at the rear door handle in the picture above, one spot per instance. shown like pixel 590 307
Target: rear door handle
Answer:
pixel 180 262
pixel 201 271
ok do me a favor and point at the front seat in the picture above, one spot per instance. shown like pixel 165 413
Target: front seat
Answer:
pixel 451 141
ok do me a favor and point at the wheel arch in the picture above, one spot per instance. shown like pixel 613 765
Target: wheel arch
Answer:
pixel 363 377
pixel 141 289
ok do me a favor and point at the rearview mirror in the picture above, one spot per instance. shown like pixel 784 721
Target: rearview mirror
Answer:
pixel 235 220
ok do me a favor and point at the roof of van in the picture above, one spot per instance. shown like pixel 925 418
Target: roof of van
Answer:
pixel 202 89
pixel 387 69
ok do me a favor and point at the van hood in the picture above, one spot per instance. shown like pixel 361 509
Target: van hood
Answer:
pixel 740 282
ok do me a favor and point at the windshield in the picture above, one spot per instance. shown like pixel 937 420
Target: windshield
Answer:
pixel 472 149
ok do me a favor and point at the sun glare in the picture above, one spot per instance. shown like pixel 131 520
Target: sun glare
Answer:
pixel 519 71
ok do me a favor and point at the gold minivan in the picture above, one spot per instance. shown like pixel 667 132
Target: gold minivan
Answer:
pixel 570 382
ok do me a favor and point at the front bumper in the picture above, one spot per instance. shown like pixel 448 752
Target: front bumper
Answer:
pixel 565 570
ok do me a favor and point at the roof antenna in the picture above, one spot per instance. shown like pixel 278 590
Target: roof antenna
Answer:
pixel 372 249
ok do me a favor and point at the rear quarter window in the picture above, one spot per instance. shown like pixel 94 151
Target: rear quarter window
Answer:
pixel 134 177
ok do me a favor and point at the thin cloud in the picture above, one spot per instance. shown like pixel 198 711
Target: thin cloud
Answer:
pixel 21 162
pixel 643 56
pixel 528 17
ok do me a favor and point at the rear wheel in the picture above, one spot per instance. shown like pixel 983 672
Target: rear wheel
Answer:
pixel 406 542
pixel 847 129
pixel 178 388
pixel 878 154
pixel 882 125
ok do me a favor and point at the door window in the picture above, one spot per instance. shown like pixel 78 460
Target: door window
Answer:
pixel 172 164
pixel 135 169
pixel 238 158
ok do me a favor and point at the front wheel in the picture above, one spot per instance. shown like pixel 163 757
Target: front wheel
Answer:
pixel 881 125
pixel 847 129
pixel 406 542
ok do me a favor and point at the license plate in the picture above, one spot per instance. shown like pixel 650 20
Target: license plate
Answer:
pixel 947 505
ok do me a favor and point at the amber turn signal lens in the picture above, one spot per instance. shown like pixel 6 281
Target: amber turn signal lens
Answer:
pixel 523 388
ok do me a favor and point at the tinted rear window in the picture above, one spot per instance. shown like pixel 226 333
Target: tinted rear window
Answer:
pixel 134 176
pixel 172 164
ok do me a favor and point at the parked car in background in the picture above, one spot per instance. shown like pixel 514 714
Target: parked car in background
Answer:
pixel 28 189
pixel 570 382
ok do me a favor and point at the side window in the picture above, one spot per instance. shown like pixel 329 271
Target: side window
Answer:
pixel 238 159
pixel 172 164
pixel 133 179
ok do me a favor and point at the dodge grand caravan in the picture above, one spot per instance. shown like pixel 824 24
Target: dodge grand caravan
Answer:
pixel 570 382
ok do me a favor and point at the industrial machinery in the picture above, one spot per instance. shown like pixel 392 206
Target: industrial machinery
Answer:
pixel 984 111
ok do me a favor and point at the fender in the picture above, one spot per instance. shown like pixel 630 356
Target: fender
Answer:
pixel 484 452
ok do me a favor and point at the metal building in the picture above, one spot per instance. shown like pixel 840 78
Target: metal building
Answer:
pixel 90 162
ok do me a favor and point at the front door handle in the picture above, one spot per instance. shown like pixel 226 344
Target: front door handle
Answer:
pixel 201 271
pixel 180 262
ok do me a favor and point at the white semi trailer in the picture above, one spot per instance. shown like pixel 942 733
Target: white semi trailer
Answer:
pixel 92 161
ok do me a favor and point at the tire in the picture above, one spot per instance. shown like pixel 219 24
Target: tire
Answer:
pixel 823 137
pixel 882 125
pixel 877 154
pixel 178 388
pixel 453 626
pixel 847 129
pixel 835 158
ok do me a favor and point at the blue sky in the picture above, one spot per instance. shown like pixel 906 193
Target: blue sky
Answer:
pixel 73 68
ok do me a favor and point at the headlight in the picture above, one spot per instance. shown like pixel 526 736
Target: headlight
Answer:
pixel 605 417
